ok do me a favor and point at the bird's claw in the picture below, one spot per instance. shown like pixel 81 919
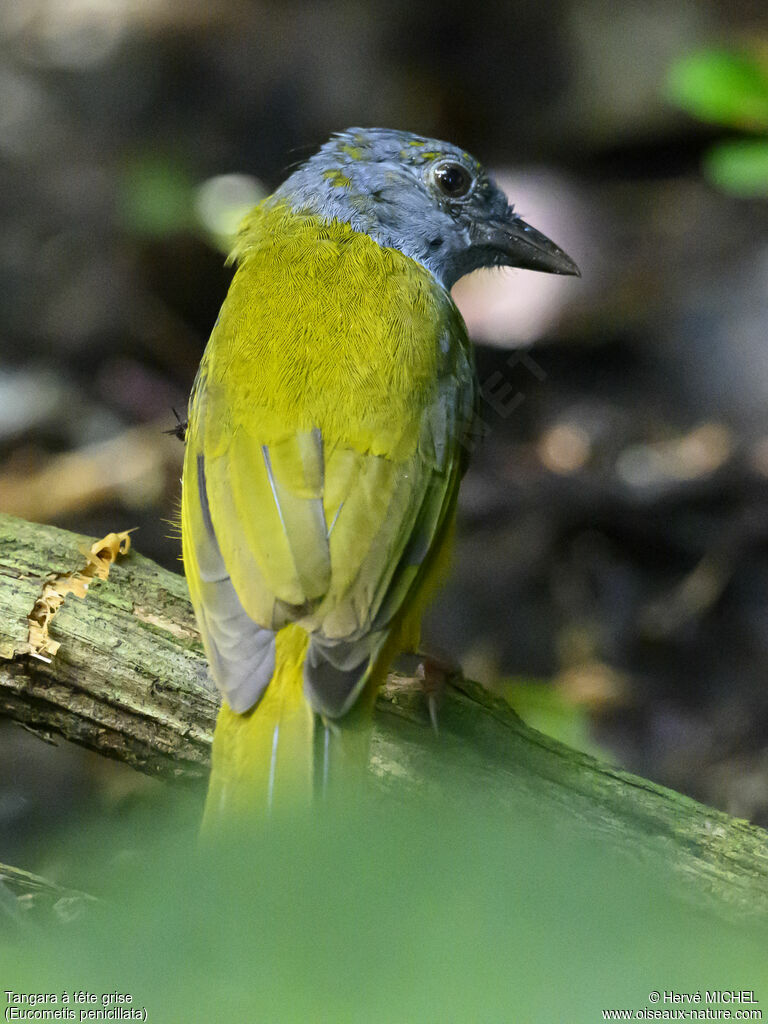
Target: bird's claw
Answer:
pixel 435 673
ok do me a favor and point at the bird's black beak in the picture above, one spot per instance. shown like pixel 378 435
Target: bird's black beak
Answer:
pixel 521 245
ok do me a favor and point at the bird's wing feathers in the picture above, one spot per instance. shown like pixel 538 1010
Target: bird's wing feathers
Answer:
pixel 332 539
pixel 322 523
pixel 311 532
pixel 241 654
pixel 372 528
pixel 267 512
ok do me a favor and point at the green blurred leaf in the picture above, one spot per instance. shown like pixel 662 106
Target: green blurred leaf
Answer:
pixel 544 707
pixel 727 88
pixel 157 197
pixel 385 912
pixel 739 167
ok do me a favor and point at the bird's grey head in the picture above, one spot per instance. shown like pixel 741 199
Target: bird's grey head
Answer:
pixel 429 199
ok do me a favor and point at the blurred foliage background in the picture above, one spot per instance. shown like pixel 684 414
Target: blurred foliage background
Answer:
pixel 611 572
pixel 435 920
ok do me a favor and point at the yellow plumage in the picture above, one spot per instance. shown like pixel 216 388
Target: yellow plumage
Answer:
pixel 324 445
pixel 325 420
pixel 249 758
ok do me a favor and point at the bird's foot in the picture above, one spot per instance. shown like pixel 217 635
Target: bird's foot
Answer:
pixel 435 673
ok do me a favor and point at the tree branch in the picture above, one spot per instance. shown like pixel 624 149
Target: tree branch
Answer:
pixel 25 898
pixel 129 681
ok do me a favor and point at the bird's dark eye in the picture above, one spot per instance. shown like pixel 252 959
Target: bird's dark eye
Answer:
pixel 453 180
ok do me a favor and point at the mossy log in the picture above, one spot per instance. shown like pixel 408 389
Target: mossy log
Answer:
pixel 129 680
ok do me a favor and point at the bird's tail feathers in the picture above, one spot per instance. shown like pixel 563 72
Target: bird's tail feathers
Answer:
pixel 264 757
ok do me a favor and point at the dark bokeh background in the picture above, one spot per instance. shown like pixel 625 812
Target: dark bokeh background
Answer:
pixel 612 562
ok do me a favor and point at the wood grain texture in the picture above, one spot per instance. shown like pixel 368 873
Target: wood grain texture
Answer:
pixel 130 682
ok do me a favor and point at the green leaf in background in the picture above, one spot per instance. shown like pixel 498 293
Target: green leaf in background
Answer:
pixel 726 88
pixel 739 167
pixel 544 707
pixel 156 197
